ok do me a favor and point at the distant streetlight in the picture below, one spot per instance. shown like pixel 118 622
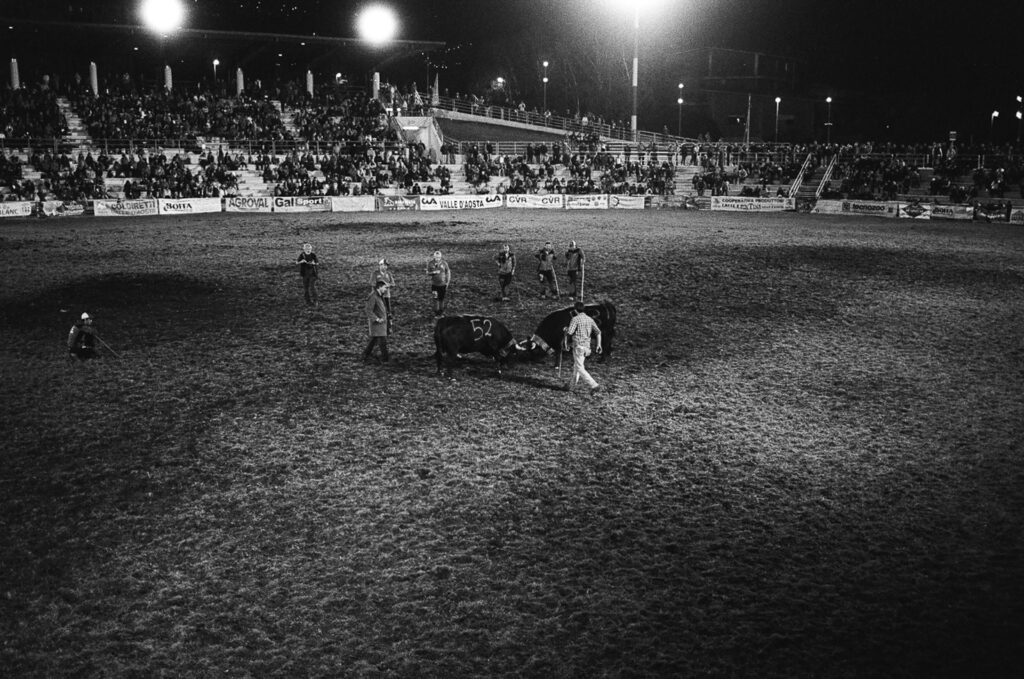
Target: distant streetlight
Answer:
pixel 778 100
pixel 1018 125
pixel 162 16
pixel 992 126
pixel 828 122
pixel 545 106
pixel 376 24
pixel 216 63
pixel 500 81
pixel 679 128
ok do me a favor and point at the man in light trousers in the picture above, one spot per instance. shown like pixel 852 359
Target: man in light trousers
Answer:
pixel 580 329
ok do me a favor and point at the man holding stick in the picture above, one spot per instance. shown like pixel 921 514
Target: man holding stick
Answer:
pixel 574 269
pixel 580 329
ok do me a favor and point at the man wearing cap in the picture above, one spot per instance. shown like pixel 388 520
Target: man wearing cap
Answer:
pixel 308 270
pixel 440 277
pixel 580 329
pixel 82 339
pixel 546 271
pixel 377 320
pixel 506 261
pixel 574 269
pixel 383 273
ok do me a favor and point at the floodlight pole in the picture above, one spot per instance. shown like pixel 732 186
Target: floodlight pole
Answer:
pixel 828 122
pixel 636 69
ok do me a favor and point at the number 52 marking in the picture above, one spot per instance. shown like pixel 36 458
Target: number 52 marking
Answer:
pixel 481 328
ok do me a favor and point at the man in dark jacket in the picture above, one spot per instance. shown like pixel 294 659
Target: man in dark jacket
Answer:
pixel 308 270
pixel 82 339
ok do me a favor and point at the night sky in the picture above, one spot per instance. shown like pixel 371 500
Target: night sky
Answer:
pixel 961 60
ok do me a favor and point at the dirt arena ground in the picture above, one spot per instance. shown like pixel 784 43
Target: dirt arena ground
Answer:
pixel 808 460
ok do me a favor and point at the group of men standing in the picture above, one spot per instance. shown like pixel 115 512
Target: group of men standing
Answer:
pixel 380 312
pixel 547 260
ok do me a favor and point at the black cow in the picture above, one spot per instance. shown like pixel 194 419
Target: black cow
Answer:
pixel 548 335
pixel 456 335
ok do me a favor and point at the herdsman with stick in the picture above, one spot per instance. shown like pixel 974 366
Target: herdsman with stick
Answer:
pixel 580 330
pixel 546 271
pixel 82 340
pixel 574 269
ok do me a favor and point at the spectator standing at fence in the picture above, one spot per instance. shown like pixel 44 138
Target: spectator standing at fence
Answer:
pixel 546 271
pixel 308 265
pixel 574 269
pixel 440 276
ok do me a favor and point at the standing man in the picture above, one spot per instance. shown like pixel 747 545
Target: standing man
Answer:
pixel 308 271
pixel 82 339
pixel 546 270
pixel 440 277
pixel 383 273
pixel 580 329
pixel 506 261
pixel 377 319
pixel 574 269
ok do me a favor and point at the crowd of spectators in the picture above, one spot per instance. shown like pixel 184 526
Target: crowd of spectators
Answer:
pixel 126 114
pixel 28 113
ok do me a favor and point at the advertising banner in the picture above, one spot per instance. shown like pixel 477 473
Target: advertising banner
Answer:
pixel 870 207
pixel 616 202
pixel 16 209
pixel 248 204
pixel 751 204
pixel 124 208
pixel 961 212
pixel 396 203
pixel 63 208
pixel 353 203
pixel 555 201
pixel 596 201
pixel 827 207
pixel 460 202
pixel 188 206
pixel 914 210
pixel 302 204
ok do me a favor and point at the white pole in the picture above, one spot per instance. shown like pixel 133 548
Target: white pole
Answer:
pixel 239 82
pixel 309 82
pixel 15 81
pixel 168 81
pixel 636 66
pixel 94 80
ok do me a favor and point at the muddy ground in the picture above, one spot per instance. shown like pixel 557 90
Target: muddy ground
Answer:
pixel 807 461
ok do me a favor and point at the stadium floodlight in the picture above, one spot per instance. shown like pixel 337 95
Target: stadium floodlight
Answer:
pixel 162 16
pixel 216 63
pixel 636 6
pixel 377 24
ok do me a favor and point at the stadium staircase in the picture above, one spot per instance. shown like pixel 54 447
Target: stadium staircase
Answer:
pixel 78 136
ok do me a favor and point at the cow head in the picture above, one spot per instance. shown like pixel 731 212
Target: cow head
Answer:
pixel 535 348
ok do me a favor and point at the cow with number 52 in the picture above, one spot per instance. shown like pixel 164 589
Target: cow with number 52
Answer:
pixel 468 333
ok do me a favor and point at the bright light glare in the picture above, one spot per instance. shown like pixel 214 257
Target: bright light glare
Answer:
pixel 995 114
pixel 377 24
pixel 162 16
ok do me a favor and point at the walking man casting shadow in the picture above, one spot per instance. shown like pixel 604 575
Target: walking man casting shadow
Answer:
pixel 307 269
pixel 377 320
pixel 580 329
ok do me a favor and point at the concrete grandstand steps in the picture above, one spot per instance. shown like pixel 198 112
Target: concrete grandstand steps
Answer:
pixel 77 134
pixel 251 183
